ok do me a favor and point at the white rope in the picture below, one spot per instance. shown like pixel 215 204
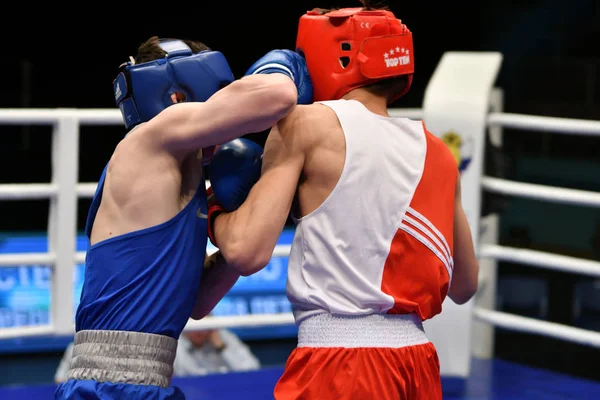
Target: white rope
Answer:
pixel 31 116
pixel 541 192
pixel 49 116
pixel 569 126
pixel 80 257
pixel 21 331
pixel 504 320
pixel 21 191
pixel 541 259
pixel 20 259
pixel 281 250
pixel 86 190
pixel 531 325
pixel 240 321
pixel 207 323
pixel 30 191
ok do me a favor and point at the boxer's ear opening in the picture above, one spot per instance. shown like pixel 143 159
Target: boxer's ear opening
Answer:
pixel 178 97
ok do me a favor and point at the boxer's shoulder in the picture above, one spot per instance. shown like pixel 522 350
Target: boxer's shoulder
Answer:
pixel 306 124
pixel 140 146
pixel 135 166
pixel 309 114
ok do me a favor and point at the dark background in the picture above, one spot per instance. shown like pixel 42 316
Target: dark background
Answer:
pixel 67 56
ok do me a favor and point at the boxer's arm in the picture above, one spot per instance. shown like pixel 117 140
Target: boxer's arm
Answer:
pixel 466 268
pixel 217 279
pixel 250 104
pixel 247 236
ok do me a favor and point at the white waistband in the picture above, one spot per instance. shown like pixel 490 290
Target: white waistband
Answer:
pixel 375 330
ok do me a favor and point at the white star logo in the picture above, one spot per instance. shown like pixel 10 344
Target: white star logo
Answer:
pixel 398 49
pixel 386 55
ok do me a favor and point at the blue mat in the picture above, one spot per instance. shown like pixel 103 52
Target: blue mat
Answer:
pixel 489 380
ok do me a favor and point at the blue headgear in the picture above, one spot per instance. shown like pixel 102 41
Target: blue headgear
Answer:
pixel 144 90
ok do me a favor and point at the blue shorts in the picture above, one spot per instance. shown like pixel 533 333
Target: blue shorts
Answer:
pixel 92 390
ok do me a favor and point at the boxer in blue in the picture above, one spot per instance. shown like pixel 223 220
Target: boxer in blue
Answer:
pixel 146 272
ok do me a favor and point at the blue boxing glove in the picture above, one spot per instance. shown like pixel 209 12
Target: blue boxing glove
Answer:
pixel 234 169
pixel 290 63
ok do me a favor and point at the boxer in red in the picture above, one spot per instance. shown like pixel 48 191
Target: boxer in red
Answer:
pixel 381 237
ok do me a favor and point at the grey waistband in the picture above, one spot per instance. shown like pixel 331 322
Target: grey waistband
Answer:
pixel 123 357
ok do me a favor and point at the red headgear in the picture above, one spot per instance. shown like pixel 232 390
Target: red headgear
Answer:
pixel 351 47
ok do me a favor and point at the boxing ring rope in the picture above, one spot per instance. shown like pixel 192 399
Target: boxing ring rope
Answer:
pixel 549 329
pixel 64 190
pixel 541 192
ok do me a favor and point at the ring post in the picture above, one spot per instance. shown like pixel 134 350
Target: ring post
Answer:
pixel 457 101
pixel 62 228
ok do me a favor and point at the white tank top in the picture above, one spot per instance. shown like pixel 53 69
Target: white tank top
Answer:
pixel 339 251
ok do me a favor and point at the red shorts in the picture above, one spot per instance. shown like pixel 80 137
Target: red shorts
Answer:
pixel 359 368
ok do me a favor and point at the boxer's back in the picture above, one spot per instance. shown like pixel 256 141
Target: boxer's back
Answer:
pixel 375 217
pixel 147 230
